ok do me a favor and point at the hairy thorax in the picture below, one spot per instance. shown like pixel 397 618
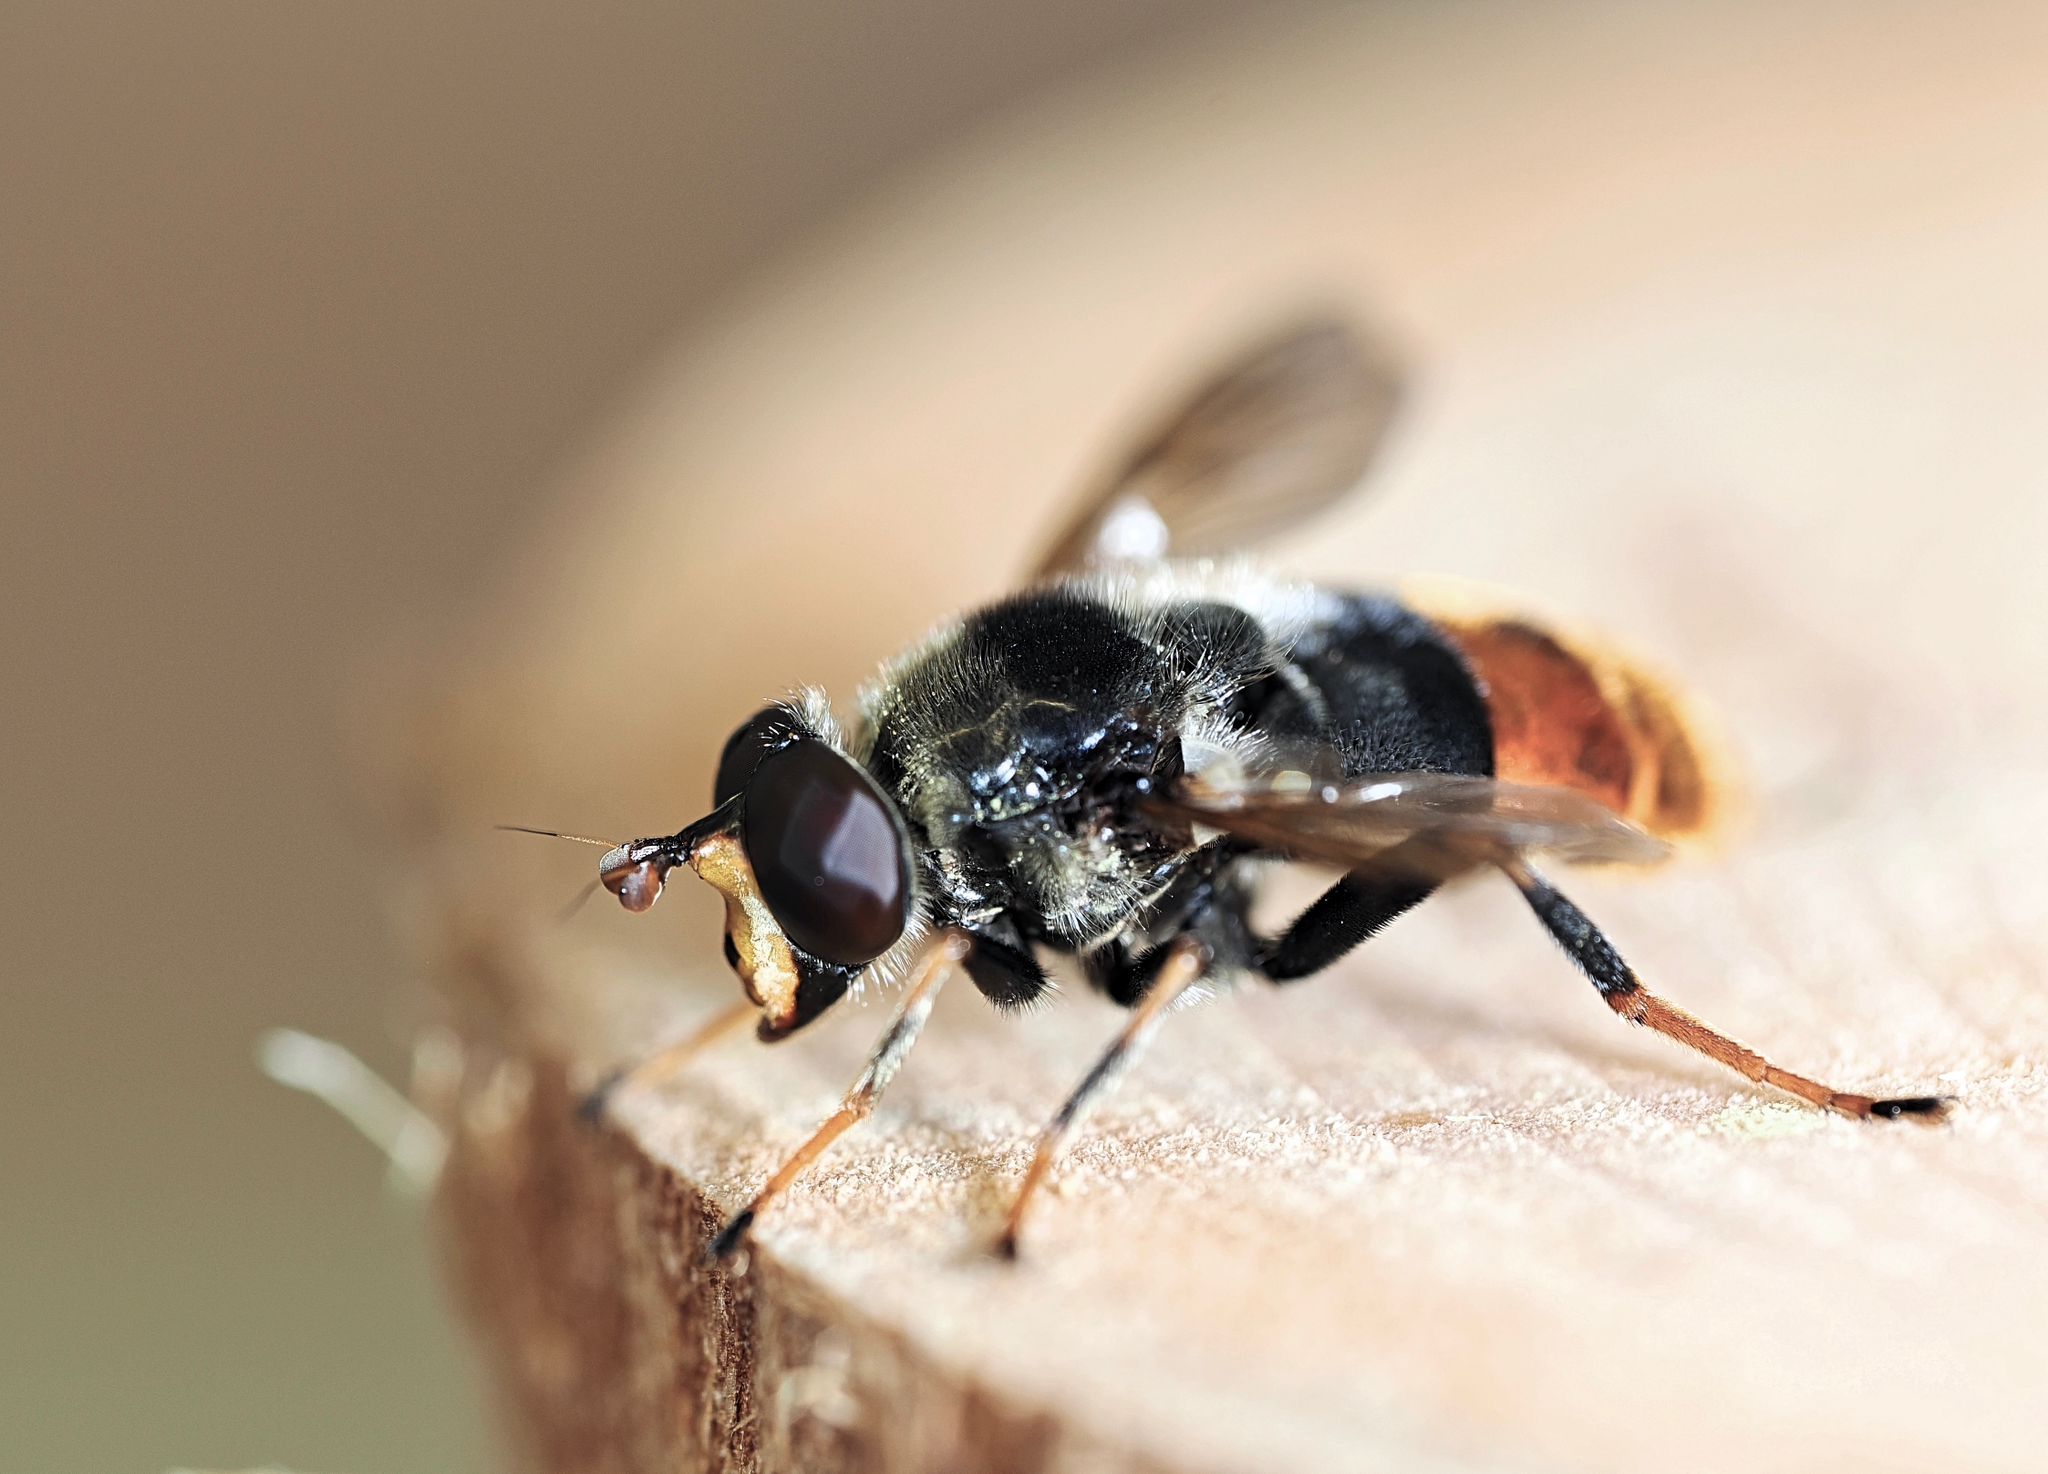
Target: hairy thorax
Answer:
pixel 1019 742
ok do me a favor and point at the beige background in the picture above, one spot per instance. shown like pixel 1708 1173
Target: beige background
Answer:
pixel 302 307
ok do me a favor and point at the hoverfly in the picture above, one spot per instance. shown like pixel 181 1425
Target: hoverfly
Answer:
pixel 1098 768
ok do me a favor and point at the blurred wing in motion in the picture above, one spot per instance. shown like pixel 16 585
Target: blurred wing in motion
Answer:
pixel 1282 433
pixel 1410 826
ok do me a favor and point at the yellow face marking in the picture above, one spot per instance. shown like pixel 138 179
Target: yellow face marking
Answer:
pixel 767 966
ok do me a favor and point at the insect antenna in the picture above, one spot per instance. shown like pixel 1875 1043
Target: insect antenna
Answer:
pixel 588 891
pixel 603 844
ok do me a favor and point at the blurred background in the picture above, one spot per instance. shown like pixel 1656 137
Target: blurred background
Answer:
pixel 309 313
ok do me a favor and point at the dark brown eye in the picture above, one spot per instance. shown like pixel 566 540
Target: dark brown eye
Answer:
pixel 759 735
pixel 827 853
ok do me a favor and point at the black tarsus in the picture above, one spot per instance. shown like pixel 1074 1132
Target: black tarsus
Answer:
pixel 730 1237
pixel 1914 1105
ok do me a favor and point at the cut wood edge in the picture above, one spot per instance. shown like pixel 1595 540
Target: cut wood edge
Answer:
pixel 579 1257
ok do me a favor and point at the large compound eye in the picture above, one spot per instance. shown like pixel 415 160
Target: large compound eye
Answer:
pixel 759 735
pixel 828 854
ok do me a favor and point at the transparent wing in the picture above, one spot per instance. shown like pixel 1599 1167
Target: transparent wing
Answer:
pixel 1426 826
pixel 1281 433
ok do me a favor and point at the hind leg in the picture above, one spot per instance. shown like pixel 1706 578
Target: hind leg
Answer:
pixel 1616 981
pixel 1184 962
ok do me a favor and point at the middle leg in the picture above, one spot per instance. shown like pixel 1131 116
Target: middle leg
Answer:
pixel 1186 961
pixel 1356 908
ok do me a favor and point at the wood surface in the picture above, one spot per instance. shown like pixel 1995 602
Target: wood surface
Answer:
pixel 1729 333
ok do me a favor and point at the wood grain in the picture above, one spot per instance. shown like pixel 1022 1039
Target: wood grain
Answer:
pixel 1769 412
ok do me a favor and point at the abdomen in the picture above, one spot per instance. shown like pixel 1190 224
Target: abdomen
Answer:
pixel 1572 712
pixel 1395 689
pixel 1383 687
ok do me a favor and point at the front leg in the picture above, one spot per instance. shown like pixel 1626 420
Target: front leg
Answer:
pixel 943 954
